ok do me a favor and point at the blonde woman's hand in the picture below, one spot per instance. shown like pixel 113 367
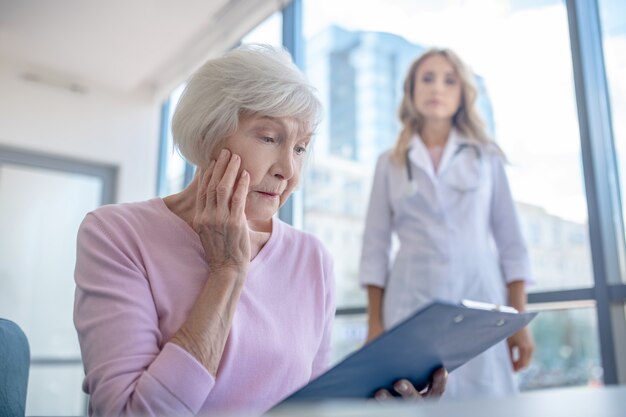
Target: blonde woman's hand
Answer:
pixel 521 348
pixel 220 218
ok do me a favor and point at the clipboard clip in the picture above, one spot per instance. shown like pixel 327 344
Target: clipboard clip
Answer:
pixel 488 306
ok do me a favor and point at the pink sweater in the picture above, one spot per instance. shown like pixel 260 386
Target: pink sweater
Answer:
pixel 139 269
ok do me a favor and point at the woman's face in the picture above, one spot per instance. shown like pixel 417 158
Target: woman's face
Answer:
pixel 273 151
pixel 437 93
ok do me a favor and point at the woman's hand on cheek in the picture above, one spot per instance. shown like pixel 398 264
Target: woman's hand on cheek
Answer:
pixel 220 218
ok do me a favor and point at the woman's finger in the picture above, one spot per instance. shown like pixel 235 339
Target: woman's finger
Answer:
pixel 204 175
pixel 406 389
pixel 218 173
pixel 438 384
pixel 238 205
pixel 226 186
pixel 383 395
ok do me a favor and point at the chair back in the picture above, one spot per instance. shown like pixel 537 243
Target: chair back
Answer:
pixel 14 367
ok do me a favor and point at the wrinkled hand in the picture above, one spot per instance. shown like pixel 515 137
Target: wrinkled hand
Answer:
pixel 407 390
pixel 220 218
pixel 521 349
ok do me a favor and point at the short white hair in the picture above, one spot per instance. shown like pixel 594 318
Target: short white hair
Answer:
pixel 251 80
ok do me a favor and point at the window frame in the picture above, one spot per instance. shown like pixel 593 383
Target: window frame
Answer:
pixel 606 229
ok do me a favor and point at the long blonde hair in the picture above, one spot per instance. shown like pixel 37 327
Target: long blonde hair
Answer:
pixel 466 120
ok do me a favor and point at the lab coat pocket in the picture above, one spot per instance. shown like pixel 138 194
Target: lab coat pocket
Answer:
pixel 421 201
pixel 462 186
pixel 463 180
pixel 466 171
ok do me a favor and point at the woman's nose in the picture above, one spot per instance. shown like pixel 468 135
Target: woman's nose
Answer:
pixel 284 168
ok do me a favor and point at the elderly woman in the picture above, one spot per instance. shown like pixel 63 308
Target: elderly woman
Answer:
pixel 203 301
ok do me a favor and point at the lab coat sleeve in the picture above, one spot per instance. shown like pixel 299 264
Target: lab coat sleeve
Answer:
pixel 376 249
pixel 130 370
pixel 506 229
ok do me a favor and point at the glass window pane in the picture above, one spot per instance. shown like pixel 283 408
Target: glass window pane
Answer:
pixel 358 63
pixel 175 164
pixel 270 31
pixel 42 210
pixel 349 333
pixel 567 351
pixel 37 253
pixel 613 22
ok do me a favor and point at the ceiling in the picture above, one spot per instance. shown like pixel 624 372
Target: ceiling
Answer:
pixel 126 45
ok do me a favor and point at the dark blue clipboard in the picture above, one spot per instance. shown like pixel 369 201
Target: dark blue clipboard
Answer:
pixel 439 334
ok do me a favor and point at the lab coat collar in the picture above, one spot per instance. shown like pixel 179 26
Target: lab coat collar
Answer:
pixel 453 142
pixel 420 157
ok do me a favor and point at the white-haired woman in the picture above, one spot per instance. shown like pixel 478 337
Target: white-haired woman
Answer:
pixel 443 190
pixel 203 301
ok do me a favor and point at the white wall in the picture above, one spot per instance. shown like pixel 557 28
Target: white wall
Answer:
pixel 98 125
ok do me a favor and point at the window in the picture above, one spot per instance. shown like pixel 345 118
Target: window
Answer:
pixel 174 171
pixel 567 350
pixel 527 99
pixel 37 254
pixel 359 66
pixel 269 31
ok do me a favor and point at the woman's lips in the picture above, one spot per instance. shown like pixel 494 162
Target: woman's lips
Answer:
pixel 268 194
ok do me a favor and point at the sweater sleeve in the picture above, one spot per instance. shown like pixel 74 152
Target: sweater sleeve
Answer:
pixel 129 369
pixel 505 226
pixel 322 359
pixel 376 250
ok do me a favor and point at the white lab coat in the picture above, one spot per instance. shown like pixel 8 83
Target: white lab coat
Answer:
pixel 459 239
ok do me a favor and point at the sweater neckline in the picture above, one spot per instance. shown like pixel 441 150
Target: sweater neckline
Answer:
pixel 191 235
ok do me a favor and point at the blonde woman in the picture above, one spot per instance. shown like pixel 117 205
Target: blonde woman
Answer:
pixel 443 190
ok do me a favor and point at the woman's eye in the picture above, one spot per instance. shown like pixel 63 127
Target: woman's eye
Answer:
pixel 450 81
pixel 427 79
pixel 300 150
pixel 267 139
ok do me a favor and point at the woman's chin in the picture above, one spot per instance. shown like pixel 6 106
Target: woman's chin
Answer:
pixel 260 223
